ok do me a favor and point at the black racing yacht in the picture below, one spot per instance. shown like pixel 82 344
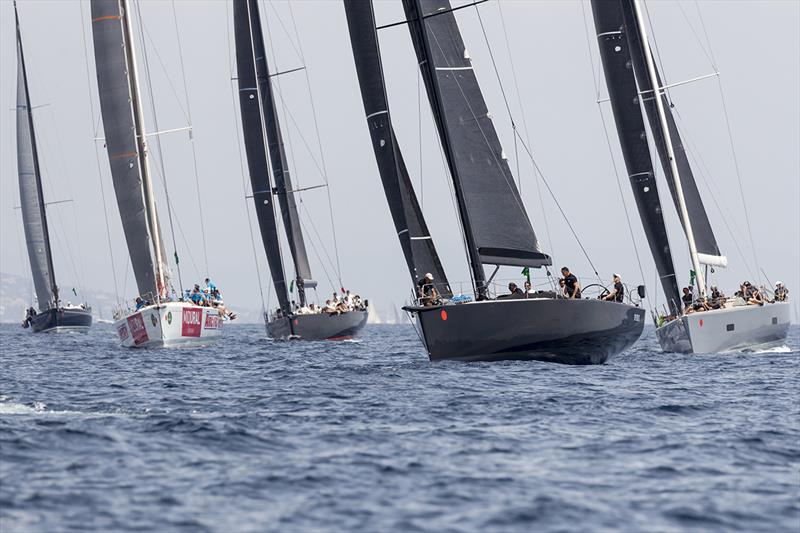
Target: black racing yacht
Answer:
pixel 264 146
pixel 52 314
pixel 496 228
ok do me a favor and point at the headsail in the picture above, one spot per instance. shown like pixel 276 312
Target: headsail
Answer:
pixel 415 240
pixel 496 225
pixel 624 98
pixel 251 87
pixel 704 238
pixel 277 156
pixel 31 196
pixel 124 138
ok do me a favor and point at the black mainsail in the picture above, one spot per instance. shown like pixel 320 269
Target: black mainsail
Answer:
pixel 412 231
pixel 496 226
pixel 31 195
pixel 123 124
pixel 277 156
pixel 704 238
pixel 624 98
pixel 252 78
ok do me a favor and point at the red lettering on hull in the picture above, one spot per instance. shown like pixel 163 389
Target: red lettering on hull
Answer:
pixel 138 329
pixel 191 323
pixel 213 321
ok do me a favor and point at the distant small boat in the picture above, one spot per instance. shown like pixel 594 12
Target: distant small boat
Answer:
pixel 52 314
pixel 628 61
pixel 161 320
pixel 495 225
pixel 264 144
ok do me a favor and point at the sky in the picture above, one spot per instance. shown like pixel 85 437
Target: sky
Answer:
pixel 537 53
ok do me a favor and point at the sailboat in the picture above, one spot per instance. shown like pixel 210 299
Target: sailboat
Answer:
pixel 263 145
pixel 52 315
pixel 495 225
pixel 628 63
pixel 161 319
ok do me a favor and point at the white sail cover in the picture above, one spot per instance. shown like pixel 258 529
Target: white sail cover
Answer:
pixel 30 197
pixel 119 124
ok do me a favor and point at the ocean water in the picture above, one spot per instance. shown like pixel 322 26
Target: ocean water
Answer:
pixel 255 435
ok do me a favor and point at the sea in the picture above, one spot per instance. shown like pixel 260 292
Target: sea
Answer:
pixel 251 435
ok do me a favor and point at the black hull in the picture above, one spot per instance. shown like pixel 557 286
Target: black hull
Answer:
pixel 575 332
pixel 62 320
pixel 318 327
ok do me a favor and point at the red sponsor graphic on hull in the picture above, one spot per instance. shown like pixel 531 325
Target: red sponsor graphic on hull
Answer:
pixel 138 329
pixel 122 331
pixel 191 324
pixel 213 321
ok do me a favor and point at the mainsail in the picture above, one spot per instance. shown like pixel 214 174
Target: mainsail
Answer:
pixel 123 124
pixel 704 238
pixel 252 78
pixel 280 169
pixel 624 99
pixel 412 231
pixel 496 225
pixel 34 217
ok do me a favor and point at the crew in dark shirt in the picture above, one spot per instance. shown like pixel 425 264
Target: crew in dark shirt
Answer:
pixel 618 293
pixel 514 291
pixel 687 298
pixel 571 285
pixel 426 291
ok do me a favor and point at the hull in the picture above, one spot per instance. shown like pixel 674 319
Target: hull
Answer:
pixel 732 329
pixel 169 324
pixel 318 327
pixel 62 320
pixel 578 332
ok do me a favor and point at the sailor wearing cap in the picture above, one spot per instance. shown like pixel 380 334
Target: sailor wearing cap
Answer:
pixel 426 291
pixel 781 292
pixel 618 293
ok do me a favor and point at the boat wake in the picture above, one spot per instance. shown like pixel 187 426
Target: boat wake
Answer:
pixel 776 349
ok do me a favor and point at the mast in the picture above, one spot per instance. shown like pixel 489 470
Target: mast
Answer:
pixel 654 82
pixel 255 143
pixel 412 231
pixel 419 35
pixel 280 167
pixel 34 213
pixel 147 182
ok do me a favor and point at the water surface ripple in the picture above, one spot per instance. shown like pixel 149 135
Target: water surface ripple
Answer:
pixel 255 435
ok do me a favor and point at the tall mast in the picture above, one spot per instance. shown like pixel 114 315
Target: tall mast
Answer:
pixel 36 171
pixel 687 223
pixel 147 182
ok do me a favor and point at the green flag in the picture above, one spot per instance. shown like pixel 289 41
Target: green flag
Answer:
pixel 73 291
pixel 692 275
pixel 291 286
pixel 527 273
pixel 176 258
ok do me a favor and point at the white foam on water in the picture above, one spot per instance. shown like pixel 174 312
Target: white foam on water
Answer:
pixel 11 408
pixel 777 349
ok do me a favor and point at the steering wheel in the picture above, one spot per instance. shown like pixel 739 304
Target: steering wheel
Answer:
pixel 605 292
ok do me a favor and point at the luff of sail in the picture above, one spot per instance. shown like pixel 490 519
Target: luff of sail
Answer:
pixel 703 233
pixel 412 231
pixel 255 143
pixel 630 126
pixel 31 196
pixel 491 208
pixel 277 156
pixel 125 156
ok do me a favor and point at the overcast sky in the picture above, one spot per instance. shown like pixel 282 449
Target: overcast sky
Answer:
pixel 754 45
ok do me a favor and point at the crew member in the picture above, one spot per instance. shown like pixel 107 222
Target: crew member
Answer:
pixel 572 288
pixel 426 291
pixel 781 292
pixel 514 291
pixel 687 298
pixel 618 293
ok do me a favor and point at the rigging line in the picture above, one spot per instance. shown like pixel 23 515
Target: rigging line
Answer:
pixel 696 36
pixel 655 50
pixel 319 237
pixel 235 115
pixel 705 33
pixel 524 127
pixel 705 174
pixel 324 270
pixel 191 138
pixel 555 200
pixel 162 172
pixel 97 155
pixel 608 141
pixel 319 142
pixel 419 135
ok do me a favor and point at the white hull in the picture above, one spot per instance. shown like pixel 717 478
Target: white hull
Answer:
pixel 732 329
pixel 169 324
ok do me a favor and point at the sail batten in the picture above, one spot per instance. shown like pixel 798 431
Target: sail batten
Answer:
pixel 495 223
pixel 622 90
pixel 32 206
pixel 125 153
pixel 251 87
pixel 412 231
